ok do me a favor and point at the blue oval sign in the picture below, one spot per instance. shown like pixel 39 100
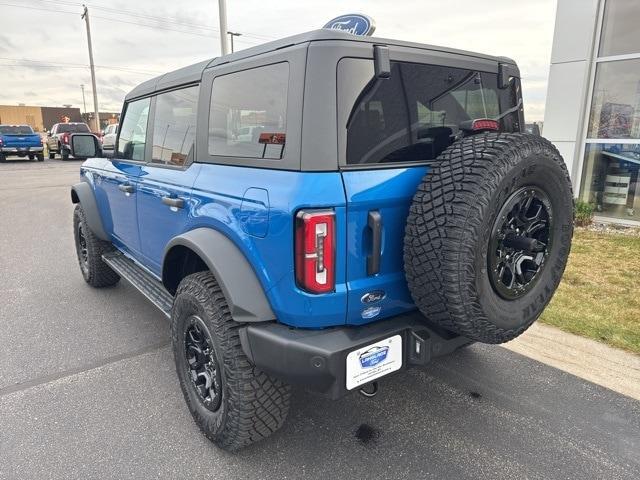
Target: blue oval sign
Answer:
pixel 356 24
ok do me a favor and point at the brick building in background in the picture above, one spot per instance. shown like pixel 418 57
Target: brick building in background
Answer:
pixel 43 118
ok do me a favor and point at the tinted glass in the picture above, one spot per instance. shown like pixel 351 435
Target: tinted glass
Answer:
pixel 174 128
pixel 84 146
pixel 73 128
pixel 615 108
pixel 417 112
pixel 248 113
pixel 15 130
pixel 620 32
pixel 611 173
pixel 133 133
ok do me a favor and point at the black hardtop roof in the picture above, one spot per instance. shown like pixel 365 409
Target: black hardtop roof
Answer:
pixel 193 73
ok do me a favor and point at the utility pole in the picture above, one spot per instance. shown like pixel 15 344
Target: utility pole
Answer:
pixel 233 34
pixel 224 48
pixel 84 102
pixel 85 16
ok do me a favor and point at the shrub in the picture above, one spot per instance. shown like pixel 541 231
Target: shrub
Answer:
pixel 583 214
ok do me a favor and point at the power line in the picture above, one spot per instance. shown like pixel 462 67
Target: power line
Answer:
pixel 144 16
pixel 26 62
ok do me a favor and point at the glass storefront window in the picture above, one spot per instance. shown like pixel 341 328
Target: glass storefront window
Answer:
pixel 610 179
pixel 615 108
pixel 620 32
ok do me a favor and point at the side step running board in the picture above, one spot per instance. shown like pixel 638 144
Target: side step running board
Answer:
pixel 140 278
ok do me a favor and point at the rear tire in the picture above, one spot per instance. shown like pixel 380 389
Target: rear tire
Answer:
pixel 233 403
pixel 488 235
pixel 89 250
pixel 40 157
pixel 64 153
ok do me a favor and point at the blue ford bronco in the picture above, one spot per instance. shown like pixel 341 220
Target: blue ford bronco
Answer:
pixel 324 210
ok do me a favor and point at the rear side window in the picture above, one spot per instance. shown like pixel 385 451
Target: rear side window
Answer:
pixel 248 113
pixel 416 113
pixel 133 131
pixel 174 127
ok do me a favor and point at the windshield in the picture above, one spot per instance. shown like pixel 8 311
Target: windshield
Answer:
pixel 416 113
pixel 73 128
pixel 15 130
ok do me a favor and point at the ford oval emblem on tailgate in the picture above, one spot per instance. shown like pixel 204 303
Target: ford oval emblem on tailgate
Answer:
pixel 373 297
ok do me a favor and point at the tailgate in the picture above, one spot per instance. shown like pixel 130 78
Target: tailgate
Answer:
pixel 21 140
pixel 378 200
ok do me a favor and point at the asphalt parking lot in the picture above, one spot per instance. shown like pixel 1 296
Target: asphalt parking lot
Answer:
pixel 88 389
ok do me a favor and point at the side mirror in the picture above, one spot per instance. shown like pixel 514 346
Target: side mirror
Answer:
pixel 48 133
pixel 85 145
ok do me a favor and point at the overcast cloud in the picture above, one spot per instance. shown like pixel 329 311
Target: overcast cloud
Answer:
pixel 52 33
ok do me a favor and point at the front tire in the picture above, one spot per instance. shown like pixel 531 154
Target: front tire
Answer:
pixel 89 250
pixel 233 403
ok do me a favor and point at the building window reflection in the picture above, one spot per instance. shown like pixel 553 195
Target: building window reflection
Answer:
pixel 610 179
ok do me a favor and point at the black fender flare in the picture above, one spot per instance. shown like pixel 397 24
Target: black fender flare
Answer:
pixel 235 275
pixel 83 194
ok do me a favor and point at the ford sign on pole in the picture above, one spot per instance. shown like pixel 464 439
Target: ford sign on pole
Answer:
pixel 356 24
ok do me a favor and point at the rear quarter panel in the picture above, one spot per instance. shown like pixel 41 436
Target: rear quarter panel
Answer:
pixel 267 241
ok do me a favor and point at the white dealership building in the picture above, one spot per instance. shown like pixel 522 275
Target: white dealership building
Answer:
pixel 593 102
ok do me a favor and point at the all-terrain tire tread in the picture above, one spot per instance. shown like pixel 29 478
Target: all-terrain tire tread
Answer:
pixel 99 273
pixel 444 220
pixel 258 404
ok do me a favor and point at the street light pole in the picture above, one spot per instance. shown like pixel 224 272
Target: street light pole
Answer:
pixel 84 102
pixel 233 34
pixel 85 16
pixel 222 6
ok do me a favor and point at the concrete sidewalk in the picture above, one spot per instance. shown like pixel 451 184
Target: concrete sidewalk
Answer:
pixel 609 367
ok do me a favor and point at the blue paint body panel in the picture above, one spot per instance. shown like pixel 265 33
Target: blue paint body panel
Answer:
pixel 255 209
pixel 388 191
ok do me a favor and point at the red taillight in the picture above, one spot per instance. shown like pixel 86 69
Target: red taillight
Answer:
pixel 315 250
pixel 65 138
pixel 485 124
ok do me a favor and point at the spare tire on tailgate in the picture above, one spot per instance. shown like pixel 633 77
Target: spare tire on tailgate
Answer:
pixel 488 235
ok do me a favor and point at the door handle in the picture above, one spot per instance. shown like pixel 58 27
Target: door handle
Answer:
pixel 374 222
pixel 126 188
pixel 173 202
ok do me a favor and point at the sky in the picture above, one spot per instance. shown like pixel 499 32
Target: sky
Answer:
pixel 44 57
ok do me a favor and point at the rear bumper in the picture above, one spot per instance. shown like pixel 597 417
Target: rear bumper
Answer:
pixel 22 149
pixel 316 359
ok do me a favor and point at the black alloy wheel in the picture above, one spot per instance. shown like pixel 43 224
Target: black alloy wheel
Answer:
pixel 83 251
pixel 202 366
pixel 520 242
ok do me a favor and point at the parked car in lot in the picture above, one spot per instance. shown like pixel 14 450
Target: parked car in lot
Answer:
pixel 58 138
pixel 391 210
pixel 109 136
pixel 21 141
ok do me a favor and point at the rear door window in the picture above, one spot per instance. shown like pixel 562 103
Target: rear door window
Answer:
pixel 416 113
pixel 133 131
pixel 174 127
pixel 248 113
